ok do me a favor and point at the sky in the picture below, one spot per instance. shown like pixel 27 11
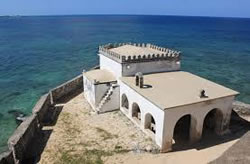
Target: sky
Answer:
pixel 218 8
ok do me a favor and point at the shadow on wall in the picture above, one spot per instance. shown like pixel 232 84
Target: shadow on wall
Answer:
pixel 238 127
pixel 67 98
pixel 39 142
pixel 29 139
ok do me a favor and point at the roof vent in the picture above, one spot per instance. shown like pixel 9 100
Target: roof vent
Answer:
pixel 139 79
pixel 203 94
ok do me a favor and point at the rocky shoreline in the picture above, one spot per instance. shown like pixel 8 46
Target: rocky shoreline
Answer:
pixel 241 108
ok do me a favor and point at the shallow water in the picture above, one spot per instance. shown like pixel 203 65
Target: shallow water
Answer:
pixel 38 53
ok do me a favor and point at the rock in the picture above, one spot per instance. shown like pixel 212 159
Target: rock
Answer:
pixel 21 118
pixel 148 148
pixel 155 151
pixel 16 112
pixel 241 108
pixel 19 115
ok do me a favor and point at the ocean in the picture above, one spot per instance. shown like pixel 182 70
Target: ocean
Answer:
pixel 38 53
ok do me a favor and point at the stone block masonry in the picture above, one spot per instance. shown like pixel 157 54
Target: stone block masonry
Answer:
pixel 22 137
pixel 6 158
pixel 66 88
pixel 21 140
pixel 41 108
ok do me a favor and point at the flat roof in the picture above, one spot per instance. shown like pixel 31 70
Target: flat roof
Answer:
pixel 172 89
pixel 100 76
pixel 131 50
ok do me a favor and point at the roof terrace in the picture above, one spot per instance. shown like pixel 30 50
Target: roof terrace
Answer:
pixel 172 89
pixel 132 53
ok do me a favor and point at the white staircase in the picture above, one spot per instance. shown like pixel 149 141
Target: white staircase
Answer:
pixel 106 97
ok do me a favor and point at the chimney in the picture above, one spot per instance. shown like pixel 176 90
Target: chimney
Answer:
pixel 136 80
pixel 139 79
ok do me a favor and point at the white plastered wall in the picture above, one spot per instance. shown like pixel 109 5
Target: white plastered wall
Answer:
pixel 129 69
pixel 113 103
pixel 110 65
pixel 95 92
pixel 145 107
pixel 198 113
pixel 89 91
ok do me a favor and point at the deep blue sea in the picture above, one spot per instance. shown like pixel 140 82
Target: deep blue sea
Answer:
pixel 38 53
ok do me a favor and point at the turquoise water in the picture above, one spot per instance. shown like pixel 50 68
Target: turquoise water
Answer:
pixel 38 53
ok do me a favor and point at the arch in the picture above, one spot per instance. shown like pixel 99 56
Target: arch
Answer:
pixel 125 103
pixel 150 123
pixel 136 112
pixel 181 134
pixel 212 122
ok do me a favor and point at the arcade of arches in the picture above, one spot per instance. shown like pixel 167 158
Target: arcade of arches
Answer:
pixel 189 128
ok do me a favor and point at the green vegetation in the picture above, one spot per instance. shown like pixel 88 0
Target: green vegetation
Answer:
pixel 105 134
pixel 132 136
pixel 148 139
pixel 119 149
pixel 87 157
pixel 93 156
pixel 71 129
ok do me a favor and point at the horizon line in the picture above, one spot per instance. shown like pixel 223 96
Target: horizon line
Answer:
pixel 47 15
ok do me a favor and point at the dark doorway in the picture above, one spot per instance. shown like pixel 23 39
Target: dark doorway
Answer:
pixel 182 130
pixel 150 123
pixel 136 112
pixel 211 123
pixel 125 103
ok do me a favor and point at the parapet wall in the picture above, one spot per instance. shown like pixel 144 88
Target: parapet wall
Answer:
pixel 6 158
pixel 41 109
pixel 19 141
pixel 166 54
pixel 66 88
pixel 27 131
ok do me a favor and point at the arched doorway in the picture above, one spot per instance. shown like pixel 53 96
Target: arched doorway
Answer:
pixel 125 103
pixel 182 130
pixel 136 112
pixel 150 123
pixel 212 123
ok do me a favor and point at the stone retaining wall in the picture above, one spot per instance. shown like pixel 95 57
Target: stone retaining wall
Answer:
pixel 28 130
pixel 42 107
pixel 6 158
pixel 66 88
pixel 22 137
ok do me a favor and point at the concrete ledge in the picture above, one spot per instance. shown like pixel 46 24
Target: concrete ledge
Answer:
pixel 23 136
pixel 237 154
pixel 42 108
pixel 66 88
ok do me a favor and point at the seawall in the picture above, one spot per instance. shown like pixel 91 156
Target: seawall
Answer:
pixel 20 142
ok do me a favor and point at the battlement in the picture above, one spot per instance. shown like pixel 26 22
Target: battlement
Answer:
pixel 136 52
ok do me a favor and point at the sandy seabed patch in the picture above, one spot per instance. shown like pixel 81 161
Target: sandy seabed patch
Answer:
pixel 81 137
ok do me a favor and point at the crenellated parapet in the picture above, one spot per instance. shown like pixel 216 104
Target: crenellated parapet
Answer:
pixel 162 53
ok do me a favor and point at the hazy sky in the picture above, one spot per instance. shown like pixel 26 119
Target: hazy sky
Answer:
pixel 224 8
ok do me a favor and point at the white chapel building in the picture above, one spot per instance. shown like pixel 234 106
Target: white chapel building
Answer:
pixel 146 83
